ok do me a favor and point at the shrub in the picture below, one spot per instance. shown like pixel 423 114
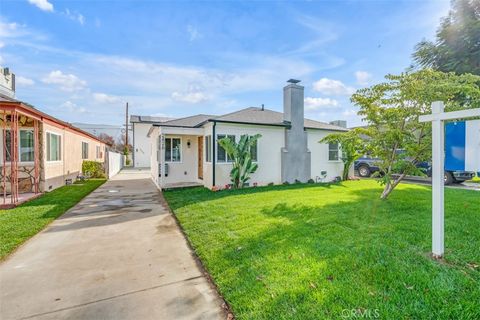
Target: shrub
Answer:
pixel 93 169
pixel 311 181
pixel 241 153
pixel 270 184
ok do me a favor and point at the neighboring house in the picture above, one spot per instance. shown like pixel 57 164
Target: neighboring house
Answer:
pixel 39 152
pixel 289 149
pixel 141 144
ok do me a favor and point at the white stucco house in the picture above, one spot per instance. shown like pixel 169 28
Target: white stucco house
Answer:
pixel 289 149
pixel 140 142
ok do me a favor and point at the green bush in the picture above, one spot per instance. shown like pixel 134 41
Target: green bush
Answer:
pixel 93 169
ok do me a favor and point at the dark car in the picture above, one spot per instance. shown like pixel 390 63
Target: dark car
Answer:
pixel 453 176
pixel 366 166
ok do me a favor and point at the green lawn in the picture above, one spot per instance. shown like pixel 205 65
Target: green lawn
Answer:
pixel 19 224
pixel 312 251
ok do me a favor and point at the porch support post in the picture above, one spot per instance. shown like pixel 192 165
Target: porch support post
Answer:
pixel 14 156
pixel 438 154
pixel 17 148
pixel 36 155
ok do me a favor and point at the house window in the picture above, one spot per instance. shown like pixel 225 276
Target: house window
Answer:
pixel 54 147
pixel 159 147
pixel 253 151
pixel 333 152
pixel 99 152
pixel 173 148
pixel 25 146
pixel 208 148
pixel 222 155
pixel 84 150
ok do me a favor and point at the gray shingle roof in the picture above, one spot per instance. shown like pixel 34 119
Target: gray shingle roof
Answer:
pixel 147 119
pixel 7 99
pixel 270 117
pixel 191 122
pixel 249 115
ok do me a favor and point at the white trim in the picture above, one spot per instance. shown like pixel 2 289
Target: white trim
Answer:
pixel 217 147
pixel 205 153
pixel 19 146
pixel 182 131
pixel 171 145
pixel 338 153
pixel 22 163
pixel 61 146
pixel 469 113
pixel 88 147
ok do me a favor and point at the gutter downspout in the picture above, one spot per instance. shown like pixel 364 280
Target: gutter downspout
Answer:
pixel 214 158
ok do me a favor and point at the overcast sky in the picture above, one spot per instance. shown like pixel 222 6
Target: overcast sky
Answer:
pixel 81 60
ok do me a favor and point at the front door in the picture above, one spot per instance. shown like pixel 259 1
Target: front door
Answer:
pixel 200 158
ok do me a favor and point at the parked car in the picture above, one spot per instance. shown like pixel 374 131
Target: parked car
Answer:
pixel 366 166
pixel 454 176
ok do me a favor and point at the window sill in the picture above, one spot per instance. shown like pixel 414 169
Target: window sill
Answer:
pixel 20 163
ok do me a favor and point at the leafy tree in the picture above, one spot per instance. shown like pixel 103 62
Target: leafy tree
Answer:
pixel 241 153
pixel 457 45
pixel 108 139
pixel 391 110
pixel 351 145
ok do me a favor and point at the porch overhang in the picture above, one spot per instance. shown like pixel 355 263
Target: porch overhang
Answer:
pixel 181 131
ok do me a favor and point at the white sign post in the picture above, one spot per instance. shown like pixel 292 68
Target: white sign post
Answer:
pixel 437 118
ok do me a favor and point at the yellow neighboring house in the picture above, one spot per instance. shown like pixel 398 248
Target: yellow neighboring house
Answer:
pixel 39 152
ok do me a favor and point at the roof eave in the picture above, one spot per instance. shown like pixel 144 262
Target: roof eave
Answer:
pixel 251 123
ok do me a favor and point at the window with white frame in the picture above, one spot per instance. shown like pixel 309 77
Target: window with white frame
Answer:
pixel 208 148
pixel 54 147
pixel 222 155
pixel 84 150
pixel 99 152
pixel 26 148
pixel 333 151
pixel 173 150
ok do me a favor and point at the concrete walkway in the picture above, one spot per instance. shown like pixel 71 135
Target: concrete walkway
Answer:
pixel 117 255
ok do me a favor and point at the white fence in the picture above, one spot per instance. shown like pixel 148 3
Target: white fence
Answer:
pixel 115 162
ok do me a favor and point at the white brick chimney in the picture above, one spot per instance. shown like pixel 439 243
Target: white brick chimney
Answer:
pixel 7 83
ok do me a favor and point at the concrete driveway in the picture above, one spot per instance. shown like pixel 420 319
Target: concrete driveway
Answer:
pixel 117 255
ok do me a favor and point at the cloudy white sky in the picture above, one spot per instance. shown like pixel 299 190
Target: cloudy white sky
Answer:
pixel 82 60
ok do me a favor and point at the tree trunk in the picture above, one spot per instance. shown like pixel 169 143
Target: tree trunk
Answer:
pixel 390 186
pixel 346 169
